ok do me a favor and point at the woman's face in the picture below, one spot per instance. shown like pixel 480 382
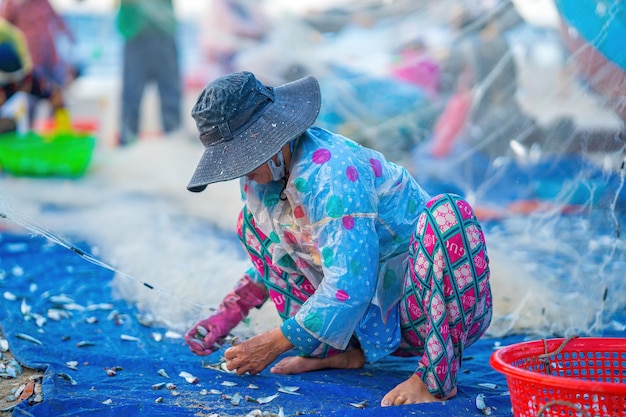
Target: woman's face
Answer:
pixel 261 175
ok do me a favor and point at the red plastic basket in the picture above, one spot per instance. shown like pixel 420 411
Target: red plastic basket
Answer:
pixel 583 377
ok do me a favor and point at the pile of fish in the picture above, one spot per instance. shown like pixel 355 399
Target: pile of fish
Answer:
pixel 10 369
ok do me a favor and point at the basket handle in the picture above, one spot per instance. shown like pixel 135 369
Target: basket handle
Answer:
pixel 561 402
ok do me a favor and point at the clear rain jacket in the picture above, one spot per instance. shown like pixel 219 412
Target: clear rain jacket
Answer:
pixel 344 222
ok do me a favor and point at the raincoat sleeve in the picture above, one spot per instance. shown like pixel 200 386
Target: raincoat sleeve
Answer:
pixel 341 203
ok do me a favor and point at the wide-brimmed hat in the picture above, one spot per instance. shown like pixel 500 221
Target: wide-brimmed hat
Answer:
pixel 243 123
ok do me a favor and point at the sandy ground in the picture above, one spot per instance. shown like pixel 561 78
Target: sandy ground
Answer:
pixel 9 387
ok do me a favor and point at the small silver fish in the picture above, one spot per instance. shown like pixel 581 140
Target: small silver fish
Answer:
pixel 16 366
pixel 189 377
pixel 197 341
pixel 61 299
pixel 236 399
pixel 288 390
pixel 9 296
pixel 129 338
pixel 74 306
pixel 57 314
pixel 28 338
pixel 19 390
pixel 360 405
pixel 170 334
pixel 481 405
pixel 25 308
pixel 201 332
pixel 265 400
pixel 100 306
pixel 67 377
pixel 39 320
pixel 163 373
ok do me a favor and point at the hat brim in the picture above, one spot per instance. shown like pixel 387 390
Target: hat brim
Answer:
pixel 295 108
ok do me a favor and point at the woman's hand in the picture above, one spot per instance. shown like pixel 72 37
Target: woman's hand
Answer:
pixel 257 353
pixel 202 338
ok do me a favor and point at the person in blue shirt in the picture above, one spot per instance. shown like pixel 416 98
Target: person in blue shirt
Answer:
pixel 150 55
pixel 359 261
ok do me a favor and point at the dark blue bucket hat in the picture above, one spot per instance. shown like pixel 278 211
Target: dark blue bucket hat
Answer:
pixel 243 124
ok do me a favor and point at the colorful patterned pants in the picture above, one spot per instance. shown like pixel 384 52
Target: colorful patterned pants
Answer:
pixel 447 298
pixel 447 303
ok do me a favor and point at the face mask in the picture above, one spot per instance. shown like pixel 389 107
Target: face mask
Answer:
pixel 278 170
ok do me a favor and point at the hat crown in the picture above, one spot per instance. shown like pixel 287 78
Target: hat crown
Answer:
pixel 229 104
pixel 243 124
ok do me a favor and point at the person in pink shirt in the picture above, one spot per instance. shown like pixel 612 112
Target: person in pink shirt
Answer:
pixel 40 24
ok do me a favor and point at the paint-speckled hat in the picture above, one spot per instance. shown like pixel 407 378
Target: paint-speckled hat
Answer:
pixel 243 123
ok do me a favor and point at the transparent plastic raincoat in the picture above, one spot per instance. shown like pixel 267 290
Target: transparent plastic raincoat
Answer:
pixel 343 220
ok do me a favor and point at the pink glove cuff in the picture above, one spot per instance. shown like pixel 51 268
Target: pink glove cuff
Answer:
pixel 233 309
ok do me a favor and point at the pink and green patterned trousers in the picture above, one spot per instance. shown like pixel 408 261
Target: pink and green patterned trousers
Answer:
pixel 446 305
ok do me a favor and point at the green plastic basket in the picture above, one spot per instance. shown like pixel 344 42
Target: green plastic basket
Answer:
pixel 55 155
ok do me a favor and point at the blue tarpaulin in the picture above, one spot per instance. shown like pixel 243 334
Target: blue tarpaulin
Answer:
pixel 102 334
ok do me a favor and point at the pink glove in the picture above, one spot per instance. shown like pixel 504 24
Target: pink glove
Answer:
pixel 204 335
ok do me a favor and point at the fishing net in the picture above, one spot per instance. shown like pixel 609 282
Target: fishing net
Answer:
pixel 517 106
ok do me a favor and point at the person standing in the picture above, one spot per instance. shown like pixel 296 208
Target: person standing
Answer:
pixel 150 55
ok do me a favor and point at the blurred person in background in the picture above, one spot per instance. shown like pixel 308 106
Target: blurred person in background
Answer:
pixel 480 81
pixel 41 24
pixel 19 82
pixel 150 55
pixel 415 64
pixel 230 27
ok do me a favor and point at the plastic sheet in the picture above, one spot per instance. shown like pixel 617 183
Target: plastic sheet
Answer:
pixel 36 272
pixel 116 336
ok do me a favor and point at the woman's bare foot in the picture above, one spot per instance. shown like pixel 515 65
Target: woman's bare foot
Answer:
pixel 350 359
pixel 412 391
